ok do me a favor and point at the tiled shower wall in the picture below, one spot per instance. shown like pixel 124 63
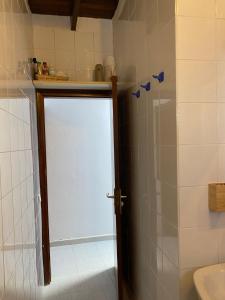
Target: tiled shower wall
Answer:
pixel 74 53
pixel 144 40
pixel 200 27
pixel 18 171
pixel 174 195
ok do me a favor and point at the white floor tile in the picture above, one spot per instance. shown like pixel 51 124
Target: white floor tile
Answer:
pixel 82 272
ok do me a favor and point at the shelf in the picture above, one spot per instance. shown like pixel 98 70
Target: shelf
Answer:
pixel 71 85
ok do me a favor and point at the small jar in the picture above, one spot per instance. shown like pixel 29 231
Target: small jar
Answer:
pixel 51 71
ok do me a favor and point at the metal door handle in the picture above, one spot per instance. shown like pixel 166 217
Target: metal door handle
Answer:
pixel 112 196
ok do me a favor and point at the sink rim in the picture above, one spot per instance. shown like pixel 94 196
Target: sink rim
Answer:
pixel 201 274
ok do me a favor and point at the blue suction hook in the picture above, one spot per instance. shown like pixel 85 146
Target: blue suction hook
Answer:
pixel 146 86
pixel 137 94
pixel 160 77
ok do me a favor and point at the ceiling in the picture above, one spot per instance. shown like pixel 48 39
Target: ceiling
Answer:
pixel 75 8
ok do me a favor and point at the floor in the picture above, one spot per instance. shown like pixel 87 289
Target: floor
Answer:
pixel 82 272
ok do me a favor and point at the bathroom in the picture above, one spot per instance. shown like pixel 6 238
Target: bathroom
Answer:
pixel 164 113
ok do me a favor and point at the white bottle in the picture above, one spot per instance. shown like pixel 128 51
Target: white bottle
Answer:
pixel 109 68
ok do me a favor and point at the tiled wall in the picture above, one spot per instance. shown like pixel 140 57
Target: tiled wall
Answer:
pixel 144 37
pixel 74 53
pixel 18 175
pixel 200 30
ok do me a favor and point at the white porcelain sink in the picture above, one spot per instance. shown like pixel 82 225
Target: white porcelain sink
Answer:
pixel 210 282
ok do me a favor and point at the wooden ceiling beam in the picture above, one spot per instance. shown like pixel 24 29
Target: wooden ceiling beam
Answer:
pixel 97 9
pixel 83 8
pixel 51 7
pixel 76 9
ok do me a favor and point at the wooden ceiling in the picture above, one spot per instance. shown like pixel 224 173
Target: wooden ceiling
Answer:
pixel 75 8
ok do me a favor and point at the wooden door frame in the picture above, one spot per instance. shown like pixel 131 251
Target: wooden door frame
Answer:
pixel 41 95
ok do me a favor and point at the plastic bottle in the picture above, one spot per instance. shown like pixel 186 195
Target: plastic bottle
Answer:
pixel 34 67
pixel 45 69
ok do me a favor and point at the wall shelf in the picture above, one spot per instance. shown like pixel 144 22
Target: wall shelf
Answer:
pixel 72 85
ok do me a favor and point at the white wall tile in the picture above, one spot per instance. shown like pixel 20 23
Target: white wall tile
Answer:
pixel 99 58
pixel 102 43
pixel 221 81
pixel 50 21
pixel 194 209
pixel 196 247
pixel 8 217
pixel 221 169
pixel 197 123
pixel 17 204
pixel 43 38
pixel 64 39
pixel 16 168
pixel 4 133
pixel 196 81
pixel 221 245
pixel 14 133
pixel 73 53
pixel 9 267
pixel 195 38
pixel 199 79
pixel 84 59
pixel 16 48
pixel 221 122
pixel 192 8
pixel 64 60
pixel 193 205
pixel 220 9
pixel 85 41
pixel 220 39
pixel 6 177
pixel 197 165
pixel 94 25
pixel 4 104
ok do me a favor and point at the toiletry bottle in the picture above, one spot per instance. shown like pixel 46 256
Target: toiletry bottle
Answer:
pixel 34 67
pixel 39 67
pixel 109 67
pixel 45 69
pixel 99 73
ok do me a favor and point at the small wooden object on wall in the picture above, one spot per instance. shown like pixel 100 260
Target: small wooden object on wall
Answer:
pixel 216 193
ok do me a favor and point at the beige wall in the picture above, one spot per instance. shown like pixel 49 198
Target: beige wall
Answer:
pixel 72 52
pixel 18 275
pixel 200 31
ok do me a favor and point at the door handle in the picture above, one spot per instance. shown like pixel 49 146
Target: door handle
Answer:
pixel 113 197
pixel 110 196
pixel 118 202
